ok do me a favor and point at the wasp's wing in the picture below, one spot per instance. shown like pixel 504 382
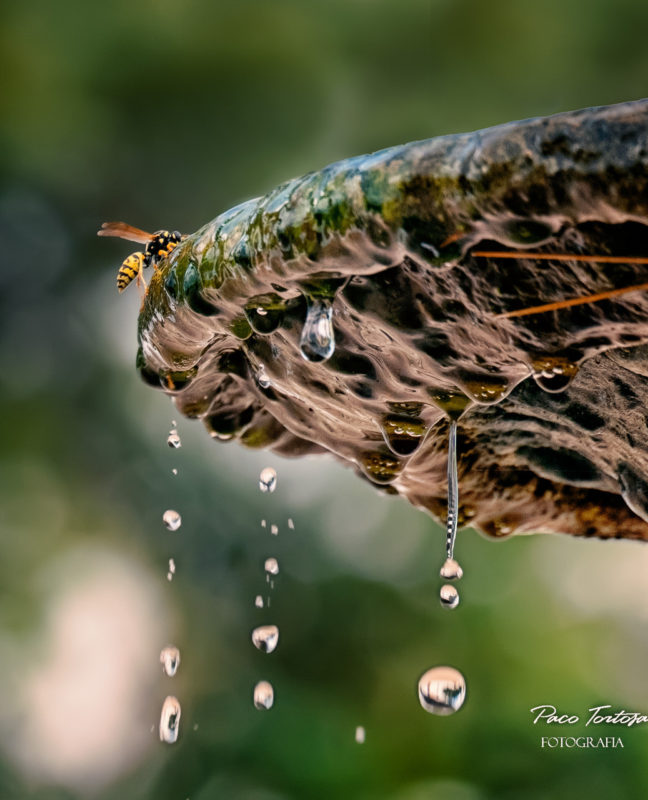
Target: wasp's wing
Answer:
pixel 124 231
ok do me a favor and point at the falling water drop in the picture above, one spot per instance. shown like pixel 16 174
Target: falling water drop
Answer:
pixel 265 638
pixel 263 696
pixel 442 690
pixel 274 530
pixel 451 570
pixel 263 523
pixel 291 524
pixel 360 734
pixel 268 480
pixel 172 569
pixel 174 440
pixel 172 519
pixel 174 471
pixel 317 341
pixel 170 720
pixel 262 378
pixel 258 601
pixel 170 660
pixel 271 566
pixel 449 596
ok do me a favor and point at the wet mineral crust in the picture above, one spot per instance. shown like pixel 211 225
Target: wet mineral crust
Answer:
pixel 553 433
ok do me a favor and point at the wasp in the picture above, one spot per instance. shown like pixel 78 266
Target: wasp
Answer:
pixel 158 245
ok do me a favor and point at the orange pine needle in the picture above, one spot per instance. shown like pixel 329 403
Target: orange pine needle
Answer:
pixel 575 301
pixel 560 256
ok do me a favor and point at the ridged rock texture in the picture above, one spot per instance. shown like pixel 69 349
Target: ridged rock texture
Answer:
pixel 552 407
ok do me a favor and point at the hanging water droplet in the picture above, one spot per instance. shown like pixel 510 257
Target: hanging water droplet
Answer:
pixel 317 341
pixel 172 519
pixel 451 570
pixel 258 601
pixel 170 660
pixel 173 439
pixel 449 596
pixel 554 373
pixel 271 566
pixel 268 480
pixel 442 690
pixel 172 569
pixel 291 524
pixel 265 638
pixel 274 530
pixel 174 471
pixel 403 435
pixel 552 383
pixel 262 378
pixel 170 720
pixel 263 696
pixel 360 734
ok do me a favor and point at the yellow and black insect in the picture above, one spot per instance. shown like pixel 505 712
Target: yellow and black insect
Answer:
pixel 158 245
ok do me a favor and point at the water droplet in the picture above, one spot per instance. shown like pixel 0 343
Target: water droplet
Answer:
pixel 271 566
pixel 317 341
pixel 174 471
pixel 554 373
pixel 360 734
pixel 634 489
pixel 263 696
pixel 553 383
pixel 403 434
pixel 173 439
pixel 258 601
pixel 172 569
pixel 381 468
pixel 170 720
pixel 442 690
pixel 291 524
pixel 274 530
pixel 268 480
pixel 451 570
pixel 262 378
pixel 265 638
pixel 265 312
pixel 172 519
pixel 449 596
pixel 486 388
pixel 170 660
pixel 454 402
pixel 263 523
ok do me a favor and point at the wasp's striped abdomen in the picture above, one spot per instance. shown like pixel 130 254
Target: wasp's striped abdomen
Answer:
pixel 130 269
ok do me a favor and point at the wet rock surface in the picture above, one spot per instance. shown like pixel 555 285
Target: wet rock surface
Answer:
pixel 551 407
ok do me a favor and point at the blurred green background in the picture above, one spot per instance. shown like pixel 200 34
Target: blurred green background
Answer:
pixel 165 113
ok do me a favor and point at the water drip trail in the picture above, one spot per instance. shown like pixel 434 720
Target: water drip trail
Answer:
pixel 453 491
